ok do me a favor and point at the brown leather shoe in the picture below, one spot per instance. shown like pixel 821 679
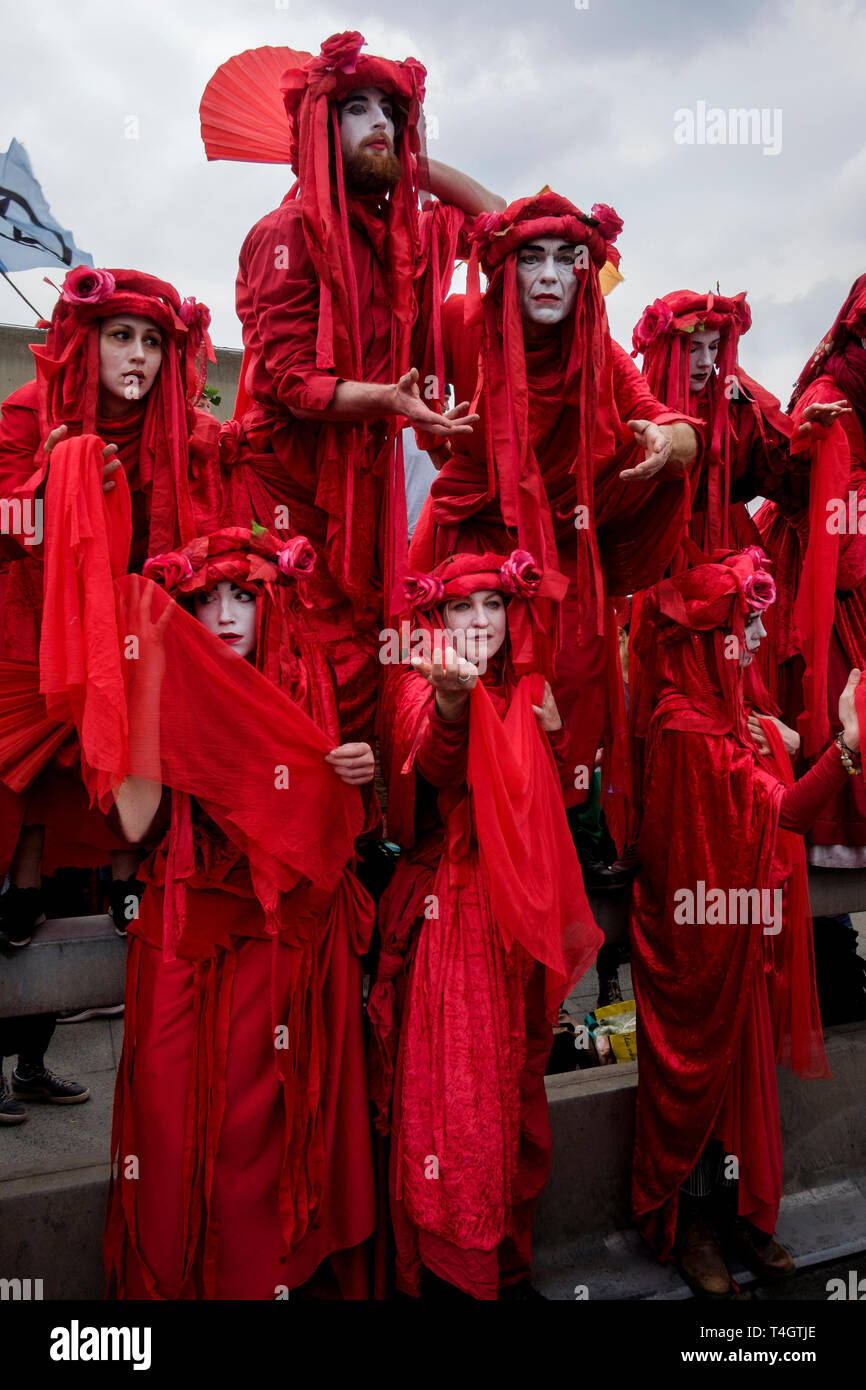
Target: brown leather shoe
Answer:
pixel 700 1261
pixel 769 1259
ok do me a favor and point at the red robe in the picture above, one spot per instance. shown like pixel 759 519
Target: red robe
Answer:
pixel 461 1009
pixel 638 525
pixel 718 1004
pixel 75 834
pixel 784 525
pixel 341 483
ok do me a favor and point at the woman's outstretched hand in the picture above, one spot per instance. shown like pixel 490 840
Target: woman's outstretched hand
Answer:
pixel 848 713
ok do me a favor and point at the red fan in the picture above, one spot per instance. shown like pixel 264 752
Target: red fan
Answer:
pixel 28 736
pixel 242 111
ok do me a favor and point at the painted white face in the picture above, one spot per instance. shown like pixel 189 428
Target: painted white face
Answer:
pixel 130 356
pixel 367 123
pixel 480 621
pixel 702 357
pixel 547 279
pixel 230 614
pixel 754 636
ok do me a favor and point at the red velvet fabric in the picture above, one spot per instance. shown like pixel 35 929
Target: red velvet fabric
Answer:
pixel 637 525
pixel 821 573
pixel 717 1003
pixel 487 893
pixel 342 484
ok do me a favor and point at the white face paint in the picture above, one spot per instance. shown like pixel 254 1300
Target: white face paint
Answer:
pixel 480 619
pixel 547 279
pixel 367 123
pixel 754 636
pixel 230 614
pixel 702 357
pixel 130 356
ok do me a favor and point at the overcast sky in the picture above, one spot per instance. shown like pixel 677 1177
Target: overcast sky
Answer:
pixel 524 94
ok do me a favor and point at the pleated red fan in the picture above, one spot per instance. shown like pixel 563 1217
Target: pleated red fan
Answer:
pixel 242 111
pixel 28 735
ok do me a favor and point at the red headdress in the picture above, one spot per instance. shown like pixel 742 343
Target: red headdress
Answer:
pixel 841 354
pixel 692 630
pixel 67 373
pixel 663 335
pixel 584 363
pixel 516 576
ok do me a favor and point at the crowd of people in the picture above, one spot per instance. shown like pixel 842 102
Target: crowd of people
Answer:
pixel 346 783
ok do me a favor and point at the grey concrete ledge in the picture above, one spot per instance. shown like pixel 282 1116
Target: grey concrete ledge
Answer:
pixel 72 962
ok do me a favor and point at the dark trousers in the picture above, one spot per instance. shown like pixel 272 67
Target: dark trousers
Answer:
pixel 26 1037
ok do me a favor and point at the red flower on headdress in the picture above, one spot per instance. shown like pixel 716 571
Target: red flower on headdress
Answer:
pixel 169 569
pixel 296 558
pixel 609 224
pixel 653 323
pixel 85 286
pixel 342 50
pixel 195 315
pixel 423 590
pixel 520 574
pixel 760 591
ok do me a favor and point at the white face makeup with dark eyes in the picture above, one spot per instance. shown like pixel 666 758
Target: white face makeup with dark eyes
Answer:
pixel 230 614
pixel 367 123
pixel 754 636
pixel 703 351
pixel 546 279
pixel 479 622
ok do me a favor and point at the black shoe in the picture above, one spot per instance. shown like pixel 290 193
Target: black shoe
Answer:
pixel 97 1011
pixel 43 1085
pixel 21 911
pixel 12 1112
pixel 124 902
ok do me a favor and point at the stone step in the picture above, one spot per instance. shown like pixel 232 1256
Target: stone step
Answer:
pixel 72 962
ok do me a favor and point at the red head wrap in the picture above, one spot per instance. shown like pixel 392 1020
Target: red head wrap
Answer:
pixel 496 237
pixel 684 645
pixel 67 373
pixel 312 91
pixel 663 335
pixel 516 576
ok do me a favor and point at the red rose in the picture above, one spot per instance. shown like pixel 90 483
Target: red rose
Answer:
pixel 760 591
pixel 423 591
pixel 296 558
pixel 609 225
pixel 342 51
pixel 520 574
pixel 168 570
pixel 653 323
pixel 85 286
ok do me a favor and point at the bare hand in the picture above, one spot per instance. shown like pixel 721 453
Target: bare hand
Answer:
pixel 823 413
pixel 407 401
pixel 353 763
pixel 657 441
pixel 548 715
pixel 848 713
pixel 790 737
pixel 451 676
pixel 111 463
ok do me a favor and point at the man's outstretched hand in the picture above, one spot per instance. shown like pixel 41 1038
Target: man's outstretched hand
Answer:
pixel 406 398
pixel 656 441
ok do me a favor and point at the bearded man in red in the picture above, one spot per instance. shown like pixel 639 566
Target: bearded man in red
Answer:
pixel 339 292
pixel 551 466
pixel 721 945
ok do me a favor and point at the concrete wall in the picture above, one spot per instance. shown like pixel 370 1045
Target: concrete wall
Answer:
pixel 16 366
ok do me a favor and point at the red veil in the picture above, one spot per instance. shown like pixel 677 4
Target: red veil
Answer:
pixel 707 1029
